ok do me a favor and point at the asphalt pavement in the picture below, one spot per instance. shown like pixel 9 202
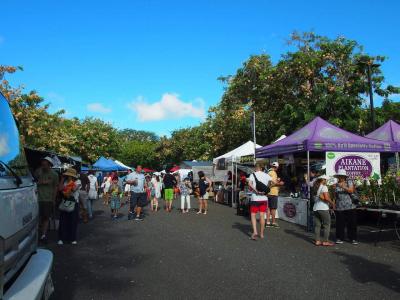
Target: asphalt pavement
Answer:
pixel 190 256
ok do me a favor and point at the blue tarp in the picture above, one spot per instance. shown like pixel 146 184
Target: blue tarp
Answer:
pixel 104 164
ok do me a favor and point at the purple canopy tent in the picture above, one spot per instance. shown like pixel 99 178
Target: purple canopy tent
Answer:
pixel 320 136
pixel 388 132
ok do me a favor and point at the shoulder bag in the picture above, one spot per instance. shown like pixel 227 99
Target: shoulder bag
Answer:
pixel 261 187
pixel 67 205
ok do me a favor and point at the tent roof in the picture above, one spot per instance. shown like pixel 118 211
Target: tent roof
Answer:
pixel 195 163
pixel 122 165
pixel 388 132
pixel 243 150
pixel 105 164
pixel 320 135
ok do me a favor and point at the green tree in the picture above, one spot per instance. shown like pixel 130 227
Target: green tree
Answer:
pixel 139 152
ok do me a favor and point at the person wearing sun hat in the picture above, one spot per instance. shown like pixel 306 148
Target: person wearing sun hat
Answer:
pixel 69 188
pixel 47 182
pixel 346 214
pixel 322 216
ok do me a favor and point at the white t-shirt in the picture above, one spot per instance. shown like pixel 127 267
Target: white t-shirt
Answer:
pixel 262 177
pixel 319 204
pixel 92 181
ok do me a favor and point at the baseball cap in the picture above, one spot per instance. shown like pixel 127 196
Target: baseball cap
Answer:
pixel 275 164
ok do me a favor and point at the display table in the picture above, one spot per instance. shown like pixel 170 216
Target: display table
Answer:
pixel 382 213
pixel 292 210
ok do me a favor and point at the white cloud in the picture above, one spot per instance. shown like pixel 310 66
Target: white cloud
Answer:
pixel 98 108
pixel 169 107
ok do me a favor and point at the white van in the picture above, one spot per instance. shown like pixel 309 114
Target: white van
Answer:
pixel 24 269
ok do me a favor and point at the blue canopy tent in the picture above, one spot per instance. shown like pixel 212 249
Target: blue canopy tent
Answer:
pixel 104 164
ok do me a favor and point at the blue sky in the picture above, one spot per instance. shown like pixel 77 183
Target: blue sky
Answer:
pixel 153 65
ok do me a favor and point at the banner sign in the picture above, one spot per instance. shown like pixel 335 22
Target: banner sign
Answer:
pixel 247 159
pixel 356 164
pixel 292 210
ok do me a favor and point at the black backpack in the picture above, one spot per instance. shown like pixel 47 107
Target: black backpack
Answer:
pixel 261 187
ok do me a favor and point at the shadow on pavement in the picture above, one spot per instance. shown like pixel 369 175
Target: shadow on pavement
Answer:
pixel 304 236
pixel 245 228
pixel 366 271
pixel 101 262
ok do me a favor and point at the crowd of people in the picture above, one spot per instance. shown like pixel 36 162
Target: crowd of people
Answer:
pixel 71 195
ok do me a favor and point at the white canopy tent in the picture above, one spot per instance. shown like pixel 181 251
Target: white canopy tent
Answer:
pixel 235 155
pixel 281 138
pixel 122 164
pixel 233 158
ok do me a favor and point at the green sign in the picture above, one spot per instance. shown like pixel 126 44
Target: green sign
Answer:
pixel 331 155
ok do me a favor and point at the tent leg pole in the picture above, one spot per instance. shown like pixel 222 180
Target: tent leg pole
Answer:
pixel 309 192
pixel 232 187
pixel 397 162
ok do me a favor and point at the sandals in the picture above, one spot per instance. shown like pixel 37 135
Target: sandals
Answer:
pixel 328 244
pixel 253 237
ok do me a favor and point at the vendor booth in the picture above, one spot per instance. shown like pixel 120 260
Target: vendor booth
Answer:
pixel 312 144
pixel 238 159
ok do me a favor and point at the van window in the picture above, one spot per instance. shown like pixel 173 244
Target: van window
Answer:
pixel 11 151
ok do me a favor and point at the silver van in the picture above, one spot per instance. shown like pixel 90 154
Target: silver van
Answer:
pixel 24 269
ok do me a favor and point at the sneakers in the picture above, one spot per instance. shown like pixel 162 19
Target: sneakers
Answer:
pixel 199 212
pixel 74 243
pixel 354 242
pixel 339 241
pixel 130 216
pixel 60 242
pixel 138 218
pixel 267 224
pixel 275 225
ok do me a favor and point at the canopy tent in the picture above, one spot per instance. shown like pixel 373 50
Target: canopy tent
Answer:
pixel 122 165
pixel 280 138
pixel 319 135
pixel 104 164
pixel 174 169
pixel 388 132
pixel 234 155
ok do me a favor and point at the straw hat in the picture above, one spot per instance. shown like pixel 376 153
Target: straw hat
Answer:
pixel 341 172
pixel 71 172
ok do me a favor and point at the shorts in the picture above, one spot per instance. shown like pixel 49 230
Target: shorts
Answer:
pixel 46 209
pixel 259 206
pixel 115 203
pixel 272 202
pixel 205 196
pixel 138 199
pixel 169 194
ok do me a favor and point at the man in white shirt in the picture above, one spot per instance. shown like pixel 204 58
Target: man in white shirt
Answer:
pixel 138 194
pixel 259 199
